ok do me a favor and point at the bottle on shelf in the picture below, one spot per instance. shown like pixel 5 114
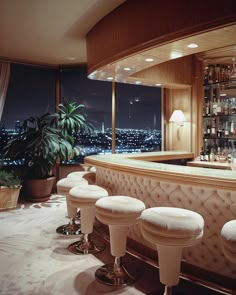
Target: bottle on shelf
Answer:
pixel 213 128
pixel 226 129
pixel 231 128
pixel 208 133
pixel 212 155
pixel 233 105
pixel 214 106
pixel 202 155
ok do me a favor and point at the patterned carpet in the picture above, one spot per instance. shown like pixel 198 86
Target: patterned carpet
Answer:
pixel 34 259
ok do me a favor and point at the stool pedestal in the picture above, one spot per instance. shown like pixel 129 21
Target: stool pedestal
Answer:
pixel 63 187
pixel 86 245
pixel 115 274
pixel 118 212
pixel 171 230
pixel 85 199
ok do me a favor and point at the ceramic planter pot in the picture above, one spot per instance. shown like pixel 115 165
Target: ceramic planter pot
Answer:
pixel 8 197
pixel 38 190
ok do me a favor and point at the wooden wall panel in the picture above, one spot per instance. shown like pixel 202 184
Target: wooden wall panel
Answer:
pixel 176 72
pixel 137 25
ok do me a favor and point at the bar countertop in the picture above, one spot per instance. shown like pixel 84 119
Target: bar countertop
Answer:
pixel 143 164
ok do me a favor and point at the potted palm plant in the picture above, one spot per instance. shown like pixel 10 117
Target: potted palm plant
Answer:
pixel 46 140
pixel 10 186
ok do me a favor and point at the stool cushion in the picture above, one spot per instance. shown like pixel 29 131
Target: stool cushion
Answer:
pixel 77 174
pixel 115 210
pixel 86 194
pixel 172 226
pixel 88 175
pixel 228 240
pixel 65 184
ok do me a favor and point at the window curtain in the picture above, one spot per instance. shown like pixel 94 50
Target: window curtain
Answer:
pixel 4 79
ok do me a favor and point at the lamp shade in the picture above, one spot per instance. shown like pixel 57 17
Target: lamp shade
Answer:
pixel 177 117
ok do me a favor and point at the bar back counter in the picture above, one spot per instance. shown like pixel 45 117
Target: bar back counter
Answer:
pixel 209 192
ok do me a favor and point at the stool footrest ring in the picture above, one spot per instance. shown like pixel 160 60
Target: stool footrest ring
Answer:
pixel 86 246
pixel 114 274
pixel 70 228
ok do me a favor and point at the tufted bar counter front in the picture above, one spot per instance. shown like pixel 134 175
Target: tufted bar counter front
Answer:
pixel 209 192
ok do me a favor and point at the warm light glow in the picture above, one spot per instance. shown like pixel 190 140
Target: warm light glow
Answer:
pixel 138 82
pixel 127 69
pixel 109 78
pixel 178 117
pixel 157 84
pixel 192 45
pixel 71 58
pixel 175 54
pixel 149 59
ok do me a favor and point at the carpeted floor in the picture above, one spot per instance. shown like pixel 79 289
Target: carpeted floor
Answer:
pixel 34 259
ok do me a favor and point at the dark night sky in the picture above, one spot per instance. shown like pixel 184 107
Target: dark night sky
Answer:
pixel 31 91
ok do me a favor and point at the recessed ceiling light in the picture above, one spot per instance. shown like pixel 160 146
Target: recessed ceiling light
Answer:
pixel 149 59
pixel 109 78
pixel 175 54
pixel 70 58
pixel 157 84
pixel 127 69
pixel 138 82
pixel 192 45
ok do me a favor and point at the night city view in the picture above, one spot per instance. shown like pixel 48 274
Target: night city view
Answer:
pixel 138 110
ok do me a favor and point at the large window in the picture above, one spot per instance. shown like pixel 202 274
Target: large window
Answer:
pixel 138 113
pixel 138 118
pixel 31 91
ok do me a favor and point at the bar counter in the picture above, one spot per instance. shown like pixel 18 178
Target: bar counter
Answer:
pixel 210 192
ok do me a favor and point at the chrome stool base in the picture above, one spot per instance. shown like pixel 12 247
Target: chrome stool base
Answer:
pixel 71 228
pixel 86 246
pixel 114 274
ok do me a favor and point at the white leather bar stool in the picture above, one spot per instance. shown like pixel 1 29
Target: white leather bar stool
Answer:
pixel 63 187
pixel 171 229
pixel 90 176
pixel 228 240
pixel 85 197
pixel 119 213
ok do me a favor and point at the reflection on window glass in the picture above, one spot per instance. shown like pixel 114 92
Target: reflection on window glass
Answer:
pixel 138 113
pixel 138 118
pixel 31 91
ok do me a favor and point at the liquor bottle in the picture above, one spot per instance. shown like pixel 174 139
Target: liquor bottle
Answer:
pixel 208 130
pixel 233 106
pixel 214 105
pixel 219 131
pixel 232 128
pixel 226 133
pixel 217 70
pixel 226 106
pixel 213 128
pixel 230 152
pixel 212 155
pixel 219 107
pixel 207 109
pixel 202 155
pixel 210 74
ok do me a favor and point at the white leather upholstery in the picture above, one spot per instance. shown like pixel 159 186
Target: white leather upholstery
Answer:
pixel 90 176
pixel 216 207
pixel 171 229
pixel 119 212
pixel 63 187
pixel 228 240
pixel 172 226
pixel 85 197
